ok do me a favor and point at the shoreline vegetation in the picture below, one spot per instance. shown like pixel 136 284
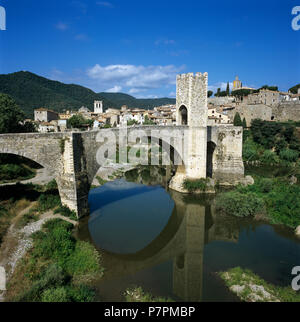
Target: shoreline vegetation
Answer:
pixel 249 287
pixel 56 267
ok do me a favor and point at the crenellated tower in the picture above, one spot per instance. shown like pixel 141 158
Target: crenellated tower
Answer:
pixel 192 111
pixel 191 100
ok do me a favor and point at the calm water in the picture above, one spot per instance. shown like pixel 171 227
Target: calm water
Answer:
pixel 172 245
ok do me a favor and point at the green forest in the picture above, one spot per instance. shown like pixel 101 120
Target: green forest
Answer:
pixel 31 91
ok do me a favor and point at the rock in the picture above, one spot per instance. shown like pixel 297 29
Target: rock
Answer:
pixel 237 289
pixel 177 181
pixel 2 279
pixel 293 180
pixel 247 181
pixel 297 231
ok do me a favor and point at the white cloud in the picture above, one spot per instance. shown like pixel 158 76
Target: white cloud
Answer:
pixel 134 77
pixel 115 89
pixel 105 4
pixel 147 96
pixel 172 95
pixel 165 42
pixel 62 26
pixel 82 37
pixel 135 90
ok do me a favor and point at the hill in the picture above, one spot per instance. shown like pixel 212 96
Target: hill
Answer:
pixel 120 99
pixel 31 91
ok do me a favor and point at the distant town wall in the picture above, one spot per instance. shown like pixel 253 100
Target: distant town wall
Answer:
pixel 288 111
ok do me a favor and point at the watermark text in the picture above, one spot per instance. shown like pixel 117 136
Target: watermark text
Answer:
pixel 2 18
pixel 296 20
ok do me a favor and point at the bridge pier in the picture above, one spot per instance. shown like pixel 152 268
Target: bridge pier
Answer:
pixel 72 181
pixel 195 167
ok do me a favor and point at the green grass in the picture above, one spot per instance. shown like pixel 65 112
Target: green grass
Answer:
pixel 136 294
pixel 274 198
pixel 246 279
pixel 195 185
pixel 239 204
pixel 101 181
pixel 58 268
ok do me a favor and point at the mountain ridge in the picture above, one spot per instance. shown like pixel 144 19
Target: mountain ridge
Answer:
pixel 32 91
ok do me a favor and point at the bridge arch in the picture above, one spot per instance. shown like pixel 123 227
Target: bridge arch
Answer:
pixel 167 145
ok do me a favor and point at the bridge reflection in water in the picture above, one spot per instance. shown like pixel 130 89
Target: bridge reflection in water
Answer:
pixel 192 224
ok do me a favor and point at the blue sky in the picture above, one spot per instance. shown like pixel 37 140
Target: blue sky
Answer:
pixel 138 46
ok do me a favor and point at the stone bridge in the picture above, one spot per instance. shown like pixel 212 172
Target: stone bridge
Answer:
pixel 73 157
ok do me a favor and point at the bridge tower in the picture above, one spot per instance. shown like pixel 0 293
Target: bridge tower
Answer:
pixel 192 111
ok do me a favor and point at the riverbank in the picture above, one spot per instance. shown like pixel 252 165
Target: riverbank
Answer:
pixel 274 200
pixel 37 211
pixel 249 287
pixel 56 266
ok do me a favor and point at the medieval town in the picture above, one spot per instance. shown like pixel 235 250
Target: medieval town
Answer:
pixel 265 104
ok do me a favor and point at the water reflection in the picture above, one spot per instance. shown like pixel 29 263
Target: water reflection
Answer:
pixel 172 244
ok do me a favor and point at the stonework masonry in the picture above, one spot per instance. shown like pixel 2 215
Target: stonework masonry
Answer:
pixel 71 158
pixel 288 111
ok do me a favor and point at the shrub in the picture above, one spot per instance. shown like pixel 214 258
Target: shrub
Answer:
pixel 289 155
pixel 51 277
pixel 239 204
pixel 82 293
pixel 269 157
pixel 51 186
pixel 56 244
pixel 47 202
pixel 50 225
pixel 284 205
pixel 265 185
pixel 66 212
pixel 84 260
pixel 55 295
pixel 250 151
pixel 194 185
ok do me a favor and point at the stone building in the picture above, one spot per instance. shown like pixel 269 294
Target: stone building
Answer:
pixel 265 97
pixel 215 117
pixel 45 115
pixel 98 107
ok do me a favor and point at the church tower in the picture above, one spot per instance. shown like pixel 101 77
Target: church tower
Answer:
pixel 98 107
pixel 237 84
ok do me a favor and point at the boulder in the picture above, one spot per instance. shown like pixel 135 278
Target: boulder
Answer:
pixel 297 231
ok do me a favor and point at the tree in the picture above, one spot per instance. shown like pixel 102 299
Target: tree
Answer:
pixel 78 122
pixel 294 89
pixel 244 123
pixel 228 89
pixel 210 93
pixel 221 94
pixel 132 122
pixel 241 92
pixel 147 121
pixel 270 88
pixel 237 120
pixel 11 115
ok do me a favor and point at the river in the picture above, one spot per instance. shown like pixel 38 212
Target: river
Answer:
pixel 172 245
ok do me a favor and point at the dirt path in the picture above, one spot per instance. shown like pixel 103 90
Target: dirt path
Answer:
pixel 18 241
pixel 43 176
